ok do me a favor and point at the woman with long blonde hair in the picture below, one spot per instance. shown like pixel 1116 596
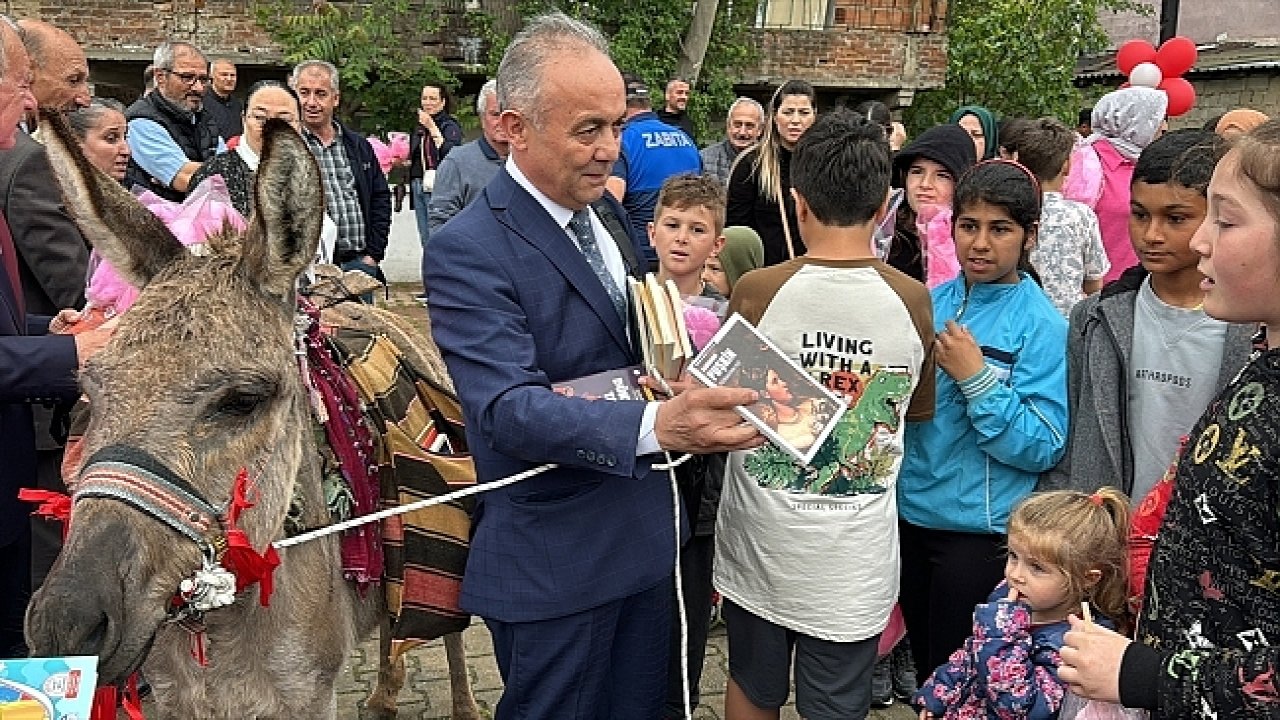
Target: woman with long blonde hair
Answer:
pixel 760 182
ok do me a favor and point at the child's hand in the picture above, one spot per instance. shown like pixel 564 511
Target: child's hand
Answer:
pixel 926 715
pixel 957 353
pixel 1013 594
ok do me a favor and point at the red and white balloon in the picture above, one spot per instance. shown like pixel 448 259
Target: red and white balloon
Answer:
pixel 1161 69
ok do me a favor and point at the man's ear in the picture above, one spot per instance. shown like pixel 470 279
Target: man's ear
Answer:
pixel 883 210
pixel 802 206
pixel 515 125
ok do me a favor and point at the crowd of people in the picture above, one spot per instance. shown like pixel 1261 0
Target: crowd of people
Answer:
pixel 1051 344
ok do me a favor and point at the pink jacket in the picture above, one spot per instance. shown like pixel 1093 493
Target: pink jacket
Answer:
pixel 1112 208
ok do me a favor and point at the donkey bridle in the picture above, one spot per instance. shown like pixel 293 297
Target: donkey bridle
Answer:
pixel 139 480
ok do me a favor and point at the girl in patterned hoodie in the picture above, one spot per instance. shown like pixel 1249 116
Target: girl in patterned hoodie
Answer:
pixel 1065 547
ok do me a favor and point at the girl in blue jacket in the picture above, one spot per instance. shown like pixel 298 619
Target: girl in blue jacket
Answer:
pixel 1001 416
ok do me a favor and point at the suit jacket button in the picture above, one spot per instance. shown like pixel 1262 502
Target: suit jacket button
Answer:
pixel 581 454
pixel 591 456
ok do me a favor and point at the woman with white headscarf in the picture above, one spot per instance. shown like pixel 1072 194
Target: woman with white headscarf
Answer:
pixel 1124 122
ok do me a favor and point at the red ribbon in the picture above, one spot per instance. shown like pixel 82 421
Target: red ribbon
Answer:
pixel 248 565
pixel 52 505
pixel 109 697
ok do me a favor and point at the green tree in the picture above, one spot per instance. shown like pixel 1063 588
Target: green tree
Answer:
pixel 371 43
pixel 1016 57
pixel 645 37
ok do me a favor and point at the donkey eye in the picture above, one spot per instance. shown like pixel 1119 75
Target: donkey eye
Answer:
pixel 239 403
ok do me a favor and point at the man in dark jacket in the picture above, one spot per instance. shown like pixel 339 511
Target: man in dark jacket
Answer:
pixel 356 195
pixel 170 134
pixel 34 367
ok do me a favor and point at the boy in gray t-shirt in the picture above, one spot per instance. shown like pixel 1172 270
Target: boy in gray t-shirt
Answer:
pixel 1144 359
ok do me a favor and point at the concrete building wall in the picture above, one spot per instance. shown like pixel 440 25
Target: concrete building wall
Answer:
pixel 1204 21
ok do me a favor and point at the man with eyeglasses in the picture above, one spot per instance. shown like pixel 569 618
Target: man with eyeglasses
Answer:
pixel 170 134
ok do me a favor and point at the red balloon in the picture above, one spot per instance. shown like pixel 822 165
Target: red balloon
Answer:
pixel 1176 56
pixel 1132 53
pixel 1182 95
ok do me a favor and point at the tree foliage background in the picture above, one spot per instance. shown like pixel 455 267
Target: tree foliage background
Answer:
pixel 373 45
pixel 645 36
pixel 1015 57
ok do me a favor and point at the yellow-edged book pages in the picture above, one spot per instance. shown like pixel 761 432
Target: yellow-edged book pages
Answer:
pixel 643 332
pixel 684 349
pixel 663 328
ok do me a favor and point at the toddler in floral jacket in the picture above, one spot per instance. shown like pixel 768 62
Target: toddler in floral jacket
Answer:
pixel 1065 548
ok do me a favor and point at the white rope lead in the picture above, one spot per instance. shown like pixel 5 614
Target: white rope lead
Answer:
pixel 437 500
pixel 683 617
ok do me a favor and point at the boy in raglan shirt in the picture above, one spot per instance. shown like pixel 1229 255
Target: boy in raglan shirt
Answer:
pixel 815 571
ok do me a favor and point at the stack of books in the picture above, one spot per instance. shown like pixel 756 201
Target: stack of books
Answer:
pixel 664 342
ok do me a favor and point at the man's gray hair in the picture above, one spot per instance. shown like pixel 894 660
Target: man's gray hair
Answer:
pixel 329 68
pixel 167 52
pixel 520 82
pixel 222 61
pixel 489 88
pixel 747 101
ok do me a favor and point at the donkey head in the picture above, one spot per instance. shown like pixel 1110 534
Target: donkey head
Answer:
pixel 200 381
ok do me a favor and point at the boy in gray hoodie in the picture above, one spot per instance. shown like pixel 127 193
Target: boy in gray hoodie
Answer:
pixel 1144 359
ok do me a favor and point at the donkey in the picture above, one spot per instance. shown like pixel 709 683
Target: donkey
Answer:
pixel 200 382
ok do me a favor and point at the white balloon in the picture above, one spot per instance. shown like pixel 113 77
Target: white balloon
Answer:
pixel 1146 75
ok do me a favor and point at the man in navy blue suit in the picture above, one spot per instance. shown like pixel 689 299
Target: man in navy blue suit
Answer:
pixel 34 367
pixel 571 568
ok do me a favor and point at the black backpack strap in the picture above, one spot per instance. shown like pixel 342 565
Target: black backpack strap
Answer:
pixel 621 238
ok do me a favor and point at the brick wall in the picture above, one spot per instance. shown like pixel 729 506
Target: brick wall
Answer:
pixel 1216 95
pixel 883 45
pixel 871 59
pixel 114 29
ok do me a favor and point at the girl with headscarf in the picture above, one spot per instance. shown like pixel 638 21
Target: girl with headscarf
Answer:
pixel 1124 122
pixel 982 127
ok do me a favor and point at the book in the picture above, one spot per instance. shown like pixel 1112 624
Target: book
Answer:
pixel 795 411
pixel 659 326
pixel 58 688
pixel 684 345
pixel 619 384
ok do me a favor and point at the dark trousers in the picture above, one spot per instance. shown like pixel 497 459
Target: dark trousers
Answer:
pixel 944 575
pixel 695 575
pixel 606 663
pixel 15 592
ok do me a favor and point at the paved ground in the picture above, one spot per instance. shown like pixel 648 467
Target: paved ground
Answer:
pixel 426 693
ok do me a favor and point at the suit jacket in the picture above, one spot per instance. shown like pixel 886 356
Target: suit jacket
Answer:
pixel 33 368
pixel 54 257
pixel 515 307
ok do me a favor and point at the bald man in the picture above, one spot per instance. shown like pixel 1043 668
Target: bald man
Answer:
pixel 59 69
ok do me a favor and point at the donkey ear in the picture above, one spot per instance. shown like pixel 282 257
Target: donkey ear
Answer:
pixel 124 232
pixel 285 228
